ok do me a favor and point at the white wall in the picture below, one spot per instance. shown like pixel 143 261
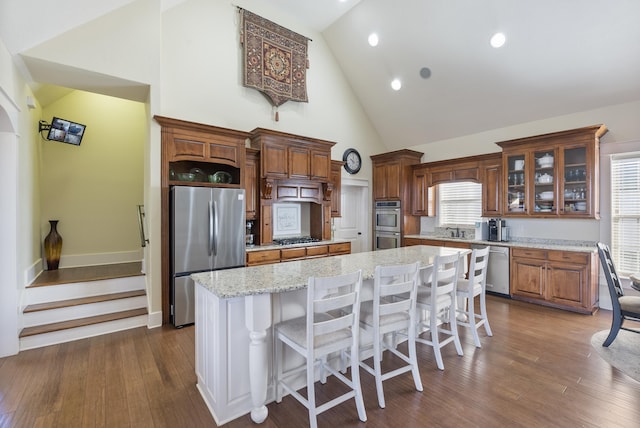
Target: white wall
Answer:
pixel 14 218
pixel 189 55
pixel 621 120
pixel 202 81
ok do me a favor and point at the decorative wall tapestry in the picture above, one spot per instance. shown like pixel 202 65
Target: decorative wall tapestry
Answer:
pixel 275 59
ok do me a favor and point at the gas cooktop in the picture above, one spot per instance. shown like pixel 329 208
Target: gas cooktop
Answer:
pixel 295 240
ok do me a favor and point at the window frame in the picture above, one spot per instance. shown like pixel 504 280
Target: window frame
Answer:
pixel 472 216
pixel 625 220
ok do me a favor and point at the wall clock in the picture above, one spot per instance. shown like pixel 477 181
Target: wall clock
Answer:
pixel 352 161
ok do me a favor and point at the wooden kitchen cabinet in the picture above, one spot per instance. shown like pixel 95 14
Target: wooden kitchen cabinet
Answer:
pixel 251 174
pixel 423 195
pixel 491 173
pixel 339 248
pixel 274 160
pixel 392 180
pixel 336 192
pixel 320 220
pixel 278 255
pixel 392 176
pixel 553 175
pixel 387 178
pixel 483 169
pixel 263 257
pixel 287 156
pixel 189 147
pixel 265 230
pixel 449 171
pixel 562 279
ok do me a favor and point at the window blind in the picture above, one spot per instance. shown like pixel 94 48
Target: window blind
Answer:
pixel 625 212
pixel 459 203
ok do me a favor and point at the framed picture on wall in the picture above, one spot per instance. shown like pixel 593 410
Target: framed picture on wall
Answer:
pixel 286 219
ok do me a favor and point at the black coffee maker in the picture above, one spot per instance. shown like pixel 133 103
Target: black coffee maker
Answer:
pixel 495 229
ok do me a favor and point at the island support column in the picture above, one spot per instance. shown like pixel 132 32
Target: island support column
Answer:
pixel 258 321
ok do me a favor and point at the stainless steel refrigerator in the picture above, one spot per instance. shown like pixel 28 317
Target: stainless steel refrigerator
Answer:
pixel 207 233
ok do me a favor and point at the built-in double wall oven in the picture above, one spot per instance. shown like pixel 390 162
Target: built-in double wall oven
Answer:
pixel 388 219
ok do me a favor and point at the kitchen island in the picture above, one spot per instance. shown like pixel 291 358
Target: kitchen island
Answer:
pixel 236 308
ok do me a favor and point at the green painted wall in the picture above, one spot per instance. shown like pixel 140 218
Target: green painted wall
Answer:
pixel 94 189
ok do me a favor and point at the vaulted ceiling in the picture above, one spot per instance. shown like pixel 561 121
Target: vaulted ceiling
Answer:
pixel 560 57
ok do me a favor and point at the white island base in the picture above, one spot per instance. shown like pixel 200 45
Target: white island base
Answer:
pixel 234 351
pixel 236 308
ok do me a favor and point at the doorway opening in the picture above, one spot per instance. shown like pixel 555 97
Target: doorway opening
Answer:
pixel 354 225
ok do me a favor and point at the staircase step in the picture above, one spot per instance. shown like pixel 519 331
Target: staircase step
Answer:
pixel 64 325
pixel 83 301
pixel 87 273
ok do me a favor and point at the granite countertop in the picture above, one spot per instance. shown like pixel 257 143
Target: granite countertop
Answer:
pixel 293 275
pixel 304 244
pixel 545 244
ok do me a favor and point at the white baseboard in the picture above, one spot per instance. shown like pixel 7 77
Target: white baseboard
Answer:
pixel 32 272
pixel 79 260
pixel 155 319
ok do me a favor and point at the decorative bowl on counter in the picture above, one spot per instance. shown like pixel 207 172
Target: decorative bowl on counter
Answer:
pixel 186 176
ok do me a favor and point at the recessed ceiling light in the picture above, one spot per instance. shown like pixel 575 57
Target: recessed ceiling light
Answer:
pixel 373 39
pixel 425 72
pixel 396 84
pixel 497 40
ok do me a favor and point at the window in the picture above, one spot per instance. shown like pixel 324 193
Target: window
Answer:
pixel 459 203
pixel 625 212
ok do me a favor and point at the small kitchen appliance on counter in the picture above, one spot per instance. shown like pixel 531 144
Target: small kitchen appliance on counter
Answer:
pixel 498 230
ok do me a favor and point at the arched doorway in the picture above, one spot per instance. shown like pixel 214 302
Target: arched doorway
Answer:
pixel 9 233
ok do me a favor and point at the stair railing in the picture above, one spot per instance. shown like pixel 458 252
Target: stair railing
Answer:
pixel 143 236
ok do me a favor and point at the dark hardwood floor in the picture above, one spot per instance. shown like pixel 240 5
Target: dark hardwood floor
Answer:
pixel 538 370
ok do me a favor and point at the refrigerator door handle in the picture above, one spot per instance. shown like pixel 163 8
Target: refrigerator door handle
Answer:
pixel 215 228
pixel 211 214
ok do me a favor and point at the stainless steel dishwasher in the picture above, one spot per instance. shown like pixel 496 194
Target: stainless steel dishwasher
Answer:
pixel 498 269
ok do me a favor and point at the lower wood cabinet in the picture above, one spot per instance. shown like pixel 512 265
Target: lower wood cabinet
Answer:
pixel 277 255
pixel 562 279
pixel 407 242
pixel 263 257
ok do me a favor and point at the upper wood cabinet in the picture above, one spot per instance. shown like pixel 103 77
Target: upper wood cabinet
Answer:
pixel 336 181
pixel 423 196
pixel 189 141
pixel 287 156
pixel 483 169
pixel 392 176
pixel 201 150
pixel 491 177
pixel 251 174
pixel 457 170
pixel 553 175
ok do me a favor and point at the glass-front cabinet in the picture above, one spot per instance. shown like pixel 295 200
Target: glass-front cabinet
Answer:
pixel 576 174
pixel 516 183
pixel 545 182
pixel 553 175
